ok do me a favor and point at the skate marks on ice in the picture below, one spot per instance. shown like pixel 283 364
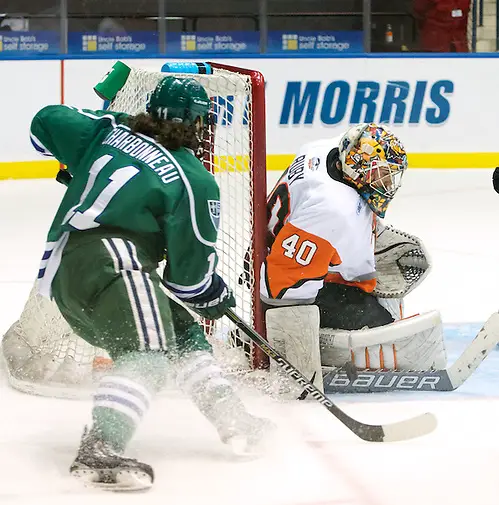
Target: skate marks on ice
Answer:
pixel 312 459
pixel 455 464
pixel 39 437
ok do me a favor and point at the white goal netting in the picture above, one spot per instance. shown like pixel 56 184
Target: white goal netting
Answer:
pixel 44 356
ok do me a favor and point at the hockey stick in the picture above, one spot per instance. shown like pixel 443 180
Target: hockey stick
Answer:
pixel 337 380
pixel 403 430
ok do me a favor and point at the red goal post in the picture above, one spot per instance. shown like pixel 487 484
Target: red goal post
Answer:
pixel 258 155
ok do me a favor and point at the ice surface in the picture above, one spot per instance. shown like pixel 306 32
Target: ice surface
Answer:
pixel 313 459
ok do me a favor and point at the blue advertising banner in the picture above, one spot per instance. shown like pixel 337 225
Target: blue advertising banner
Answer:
pixel 133 42
pixel 18 43
pixel 315 42
pixel 213 42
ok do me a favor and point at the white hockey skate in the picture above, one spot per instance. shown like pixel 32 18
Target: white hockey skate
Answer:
pixel 99 465
pixel 246 434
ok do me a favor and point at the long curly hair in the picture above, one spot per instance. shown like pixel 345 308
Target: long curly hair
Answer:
pixel 167 133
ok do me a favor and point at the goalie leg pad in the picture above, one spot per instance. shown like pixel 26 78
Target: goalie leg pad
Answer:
pixel 294 332
pixel 415 343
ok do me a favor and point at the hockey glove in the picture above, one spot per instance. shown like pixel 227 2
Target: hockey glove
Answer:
pixel 213 303
pixel 64 177
pixel 495 180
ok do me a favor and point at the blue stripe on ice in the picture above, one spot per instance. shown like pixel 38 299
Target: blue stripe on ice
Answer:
pixel 485 380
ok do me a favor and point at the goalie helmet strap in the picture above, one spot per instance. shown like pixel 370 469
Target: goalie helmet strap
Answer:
pixel 333 171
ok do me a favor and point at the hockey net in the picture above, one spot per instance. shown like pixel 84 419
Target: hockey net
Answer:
pixel 44 356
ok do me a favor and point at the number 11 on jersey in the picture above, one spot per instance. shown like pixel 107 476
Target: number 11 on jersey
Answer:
pixel 87 219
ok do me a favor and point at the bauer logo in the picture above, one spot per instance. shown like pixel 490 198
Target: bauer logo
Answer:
pixel 393 102
pixel 385 381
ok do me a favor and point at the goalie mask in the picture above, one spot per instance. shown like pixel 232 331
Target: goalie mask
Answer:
pixel 373 161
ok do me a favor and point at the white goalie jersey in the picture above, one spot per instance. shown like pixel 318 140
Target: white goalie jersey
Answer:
pixel 321 229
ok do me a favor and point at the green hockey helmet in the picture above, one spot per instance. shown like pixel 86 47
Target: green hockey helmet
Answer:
pixel 179 99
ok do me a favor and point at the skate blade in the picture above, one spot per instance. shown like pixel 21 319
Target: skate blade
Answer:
pixel 241 448
pixel 114 480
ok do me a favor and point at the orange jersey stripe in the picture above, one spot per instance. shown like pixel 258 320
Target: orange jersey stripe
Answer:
pixel 367 286
pixel 297 256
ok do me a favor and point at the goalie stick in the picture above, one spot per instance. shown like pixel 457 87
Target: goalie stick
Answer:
pixel 402 430
pixel 339 380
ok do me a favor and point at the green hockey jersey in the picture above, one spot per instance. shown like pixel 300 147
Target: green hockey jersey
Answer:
pixel 128 184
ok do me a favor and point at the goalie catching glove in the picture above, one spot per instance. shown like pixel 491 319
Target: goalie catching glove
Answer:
pixel 213 303
pixel 402 262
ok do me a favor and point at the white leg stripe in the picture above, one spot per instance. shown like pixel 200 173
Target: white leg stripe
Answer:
pixel 127 397
pixel 209 373
pixel 120 408
pixel 144 341
pixel 145 295
pixel 140 293
pixel 188 367
pixel 118 266
pixel 218 381
pixel 107 245
pixel 154 299
pixel 123 381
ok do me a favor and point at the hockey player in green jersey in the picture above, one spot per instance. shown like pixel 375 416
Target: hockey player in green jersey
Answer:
pixel 138 194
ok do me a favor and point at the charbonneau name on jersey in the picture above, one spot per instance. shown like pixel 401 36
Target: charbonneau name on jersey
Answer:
pixel 144 151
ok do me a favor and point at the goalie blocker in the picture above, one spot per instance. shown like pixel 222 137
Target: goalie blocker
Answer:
pixel 415 343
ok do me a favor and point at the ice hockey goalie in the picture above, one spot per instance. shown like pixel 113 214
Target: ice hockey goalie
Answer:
pixel 335 276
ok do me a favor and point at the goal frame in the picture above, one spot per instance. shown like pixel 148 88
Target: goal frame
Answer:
pixel 258 156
